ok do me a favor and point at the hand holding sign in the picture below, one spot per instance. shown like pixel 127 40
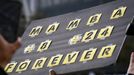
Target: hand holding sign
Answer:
pixel 7 50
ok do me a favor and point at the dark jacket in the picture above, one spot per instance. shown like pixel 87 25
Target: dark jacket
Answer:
pixel 9 19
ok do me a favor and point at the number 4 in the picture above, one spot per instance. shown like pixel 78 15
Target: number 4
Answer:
pixel 105 32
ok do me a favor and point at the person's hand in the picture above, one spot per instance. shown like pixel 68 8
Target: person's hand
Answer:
pixel 52 72
pixel 131 65
pixel 7 50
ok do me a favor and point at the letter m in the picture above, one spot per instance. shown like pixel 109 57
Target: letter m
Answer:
pixel 35 31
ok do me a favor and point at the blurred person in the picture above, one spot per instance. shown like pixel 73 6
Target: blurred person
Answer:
pixel 9 21
pixel 6 52
pixel 10 11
